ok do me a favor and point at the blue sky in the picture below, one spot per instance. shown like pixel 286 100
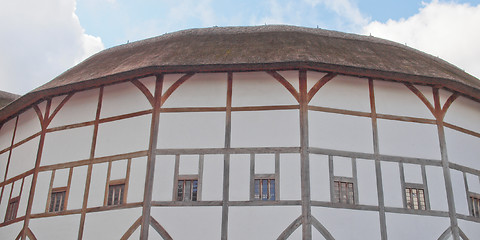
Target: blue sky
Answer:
pixel 40 42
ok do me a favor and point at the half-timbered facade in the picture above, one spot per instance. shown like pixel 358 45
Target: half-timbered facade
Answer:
pixel 271 132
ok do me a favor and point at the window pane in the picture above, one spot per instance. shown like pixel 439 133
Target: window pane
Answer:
pixel 180 191
pixel 272 189
pixel 256 189
pixel 194 190
pixel 264 189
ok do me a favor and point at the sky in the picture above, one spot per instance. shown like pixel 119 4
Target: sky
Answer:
pixel 41 39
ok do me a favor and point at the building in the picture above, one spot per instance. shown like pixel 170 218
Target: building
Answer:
pixel 268 132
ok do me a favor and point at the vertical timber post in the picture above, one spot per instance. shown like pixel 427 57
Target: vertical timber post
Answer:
pixel 226 163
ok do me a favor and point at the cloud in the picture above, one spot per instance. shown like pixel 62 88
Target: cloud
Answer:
pixel 345 10
pixel 445 29
pixel 38 41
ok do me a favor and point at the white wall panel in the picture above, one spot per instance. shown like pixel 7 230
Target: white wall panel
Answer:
pixel 459 192
pixel 340 132
pixel 67 145
pixel 473 183
pixel 408 139
pixel 17 188
pixel 259 89
pixel 201 90
pixel 164 176
pixel 11 231
pixel 344 92
pixel 61 178
pixel 471 229
pixel 290 182
pixel 188 164
pixel 239 177
pixel 260 222
pixel 264 163
pixel 169 80
pixel 23 158
pixel 58 227
pixel 97 185
pixel 123 136
pixel 464 113
pixel 6 133
pixel 3 164
pixel 462 148
pixel 413 173
pixel 319 178
pixel 192 130
pixel 22 206
pixel 119 170
pixel 149 83
pixel 427 91
pixel 152 234
pixel 342 166
pixel 28 124
pixel 136 185
pixel 121 99
pixel 313 77
pixel 98 225
pixel 392 188
pixel 212 185
pixel 41 192
pixel 77 188
pixel 297 234
pixel 408 226
pixel 81 107
pixel 367 182
pixel 266 129
pixel 292 77
pixel 5 198
pixel 436 188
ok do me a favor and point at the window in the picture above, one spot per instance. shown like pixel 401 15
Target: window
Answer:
pixel 187 190
pixel 116 192
pixel 12 209
pixel 264 189
pixel 415 198
pixel 57 200
pixel 475 202
pixel 343 192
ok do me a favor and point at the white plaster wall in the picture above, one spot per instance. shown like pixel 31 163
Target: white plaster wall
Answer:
pixel 164 177
pixel 121 99
pixel 408 226
pixel 408 139
pixel 3 164
pixel 99 225
pixel 152 234
pixel 471 229
pixel 464 113
pixel 61 177
pixel 136 185
pixel 473 183
pixel 266 129
pixel 169 80
pixel 392 187
pixel 264 163
pixel 342 166
pixel 81 107
pixel 367 182
pixel 360 224
pixel 123 136
pixel 201 90
pixel 6 133
pixel 192 130
pixel 260 222
pixel 119 170
pixel 239 177
pixel 212 179
pixel 344 92
pixel 340 132
pixel 297 234
pixel 28 124
pixel 319 178
pixel 96 195
pixel 459 192
pixel 259 89
pixel 397 99
pixel 201 222
pixel 57 227
pixel 428 93
pixel 77 188
pixel 413 173
pixel 149 83
pixel 23 158
pixel 188 165
pixel 67 145
pixel 11 231
pixel 315 234
pixel 25 193
pixel 462 148
pixel 41 192
pixel 292 77
pixel 3 204
pixel 436 188
pixel 290 182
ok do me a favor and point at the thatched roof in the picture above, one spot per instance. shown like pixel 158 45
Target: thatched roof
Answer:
pixel 259 48
pixel 6 98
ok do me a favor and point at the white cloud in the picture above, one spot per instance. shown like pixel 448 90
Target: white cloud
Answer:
pixel 445 29
pixel 38 41
pixel 345 9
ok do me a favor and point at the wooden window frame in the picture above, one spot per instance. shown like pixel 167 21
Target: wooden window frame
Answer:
pixel 11 214
pixel 410 202
pixel 474 204
pixel 261 178
pixel 418 186
pixel 53 193
pixel 348 180
pixel 270 176
pixel 193 196
pixel 123 194
pixel 349 196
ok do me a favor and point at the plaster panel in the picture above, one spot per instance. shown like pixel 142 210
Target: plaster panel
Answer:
pixel 392 187
pixel 5 198
pixel 77 188
pixel 396 99
pixel 212 179
pixel 11 231
pixel 17 188
pixel 292 77
pixel 136 185
pixel 473 183
pixel 459 192
pixel 266 129
pixel 57 227
pixel 436 188
pixel 188 164
pixel 319 178
pixel 471 229
pixel 462 148
pixel 427 91
pixel 313 77
pixel 61 177
pixel 152 234
pixel 123 136
pixel 259 89
pixel 239 177
pixel 297 234
pixel 23 158
pixel 290 183
pixel 201 90
pixel 315 234
pixel 98 225
pixel 121 99
pixel 415 226
pixel 201 222
pixel 413 173
pixel 260 222
pixel 41 192
pixel 361 224
pixel 164 177
pixel 342 166
pixel 264 163
pixel 119 170
pixel 344 92
pixel 22 206
pixel 67 145
pixel 408 139
pixel 149 83
pixel 6 133
pixel 464 113
pixel 169 80
pixel 340 132
pixel 192 130
pixel 367 182
pixel 97 185
pixel 3 164
pixel 81 107
pixel 28 124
